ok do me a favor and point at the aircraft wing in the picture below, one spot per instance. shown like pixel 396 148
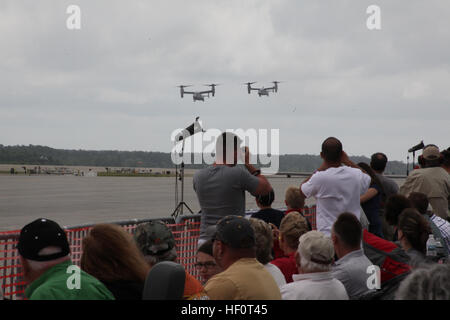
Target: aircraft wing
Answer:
pixel 189 92
pixel 203 92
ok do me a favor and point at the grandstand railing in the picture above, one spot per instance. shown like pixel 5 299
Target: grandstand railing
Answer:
pixel 186 231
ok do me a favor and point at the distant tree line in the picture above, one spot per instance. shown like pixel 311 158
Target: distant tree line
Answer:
pixel 41 155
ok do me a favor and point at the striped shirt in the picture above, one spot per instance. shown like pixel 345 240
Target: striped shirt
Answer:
pixel 444 228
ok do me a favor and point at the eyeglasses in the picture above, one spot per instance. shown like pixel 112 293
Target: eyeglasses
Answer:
pixel 207 264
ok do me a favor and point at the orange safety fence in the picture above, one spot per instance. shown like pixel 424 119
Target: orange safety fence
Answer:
pixel 310 214
pixel 186 233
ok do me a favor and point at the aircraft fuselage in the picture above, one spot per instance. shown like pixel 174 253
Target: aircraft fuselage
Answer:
pixel 198 97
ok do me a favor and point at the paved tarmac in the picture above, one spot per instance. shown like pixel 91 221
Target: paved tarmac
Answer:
pixel 72 200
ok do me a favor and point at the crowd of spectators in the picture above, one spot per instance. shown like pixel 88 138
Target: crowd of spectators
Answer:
pixel 273 254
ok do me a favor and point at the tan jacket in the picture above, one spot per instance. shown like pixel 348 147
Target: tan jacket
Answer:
pixel 435 183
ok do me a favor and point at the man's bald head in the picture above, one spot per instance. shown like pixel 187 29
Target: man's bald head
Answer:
pixel 332 150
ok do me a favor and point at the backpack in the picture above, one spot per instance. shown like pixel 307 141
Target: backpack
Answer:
pixel 391 259
pixel 387 291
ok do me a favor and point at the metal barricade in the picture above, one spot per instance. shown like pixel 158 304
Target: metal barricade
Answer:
pixel 11 276
pixel 186 232
pixel 11 280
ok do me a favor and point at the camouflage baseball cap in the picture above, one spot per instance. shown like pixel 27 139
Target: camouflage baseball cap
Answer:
pixel 154 238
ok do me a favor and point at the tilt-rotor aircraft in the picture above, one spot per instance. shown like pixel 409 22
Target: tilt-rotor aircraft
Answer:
pixel 199 95
pixel 262 91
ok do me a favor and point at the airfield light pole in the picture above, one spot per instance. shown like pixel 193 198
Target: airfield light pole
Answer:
pixel 407 165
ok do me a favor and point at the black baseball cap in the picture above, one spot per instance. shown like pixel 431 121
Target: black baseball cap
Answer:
pixel 39 234
pixel 236 232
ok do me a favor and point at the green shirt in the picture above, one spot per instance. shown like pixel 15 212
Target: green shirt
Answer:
pixel 65 281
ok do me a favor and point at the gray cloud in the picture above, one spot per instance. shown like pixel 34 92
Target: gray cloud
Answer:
pixel 112 85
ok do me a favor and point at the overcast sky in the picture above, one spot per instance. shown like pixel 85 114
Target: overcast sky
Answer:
pixel 112 84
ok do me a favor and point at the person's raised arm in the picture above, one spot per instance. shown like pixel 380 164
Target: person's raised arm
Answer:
pixel 372 192
pixel 345 160
pixel 264 186
pixel 324 166
pixel 365 178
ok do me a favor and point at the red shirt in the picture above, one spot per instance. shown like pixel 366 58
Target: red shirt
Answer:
pixel 287 266
pixel 277 252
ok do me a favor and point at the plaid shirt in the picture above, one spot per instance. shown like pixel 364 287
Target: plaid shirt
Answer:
pixel 444 228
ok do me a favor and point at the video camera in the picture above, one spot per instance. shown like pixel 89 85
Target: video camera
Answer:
pixel 417 147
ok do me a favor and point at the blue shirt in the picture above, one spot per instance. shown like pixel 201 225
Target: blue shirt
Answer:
pixel 372 207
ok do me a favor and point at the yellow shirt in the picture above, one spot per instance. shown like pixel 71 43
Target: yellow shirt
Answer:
pixel 246 279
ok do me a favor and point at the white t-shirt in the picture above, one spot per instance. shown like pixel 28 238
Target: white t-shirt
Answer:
pixel 336 190
pixel 276 274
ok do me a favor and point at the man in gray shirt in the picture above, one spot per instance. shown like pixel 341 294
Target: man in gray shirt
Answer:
pixel 352 267
pixel 378 163
pixel 221 187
